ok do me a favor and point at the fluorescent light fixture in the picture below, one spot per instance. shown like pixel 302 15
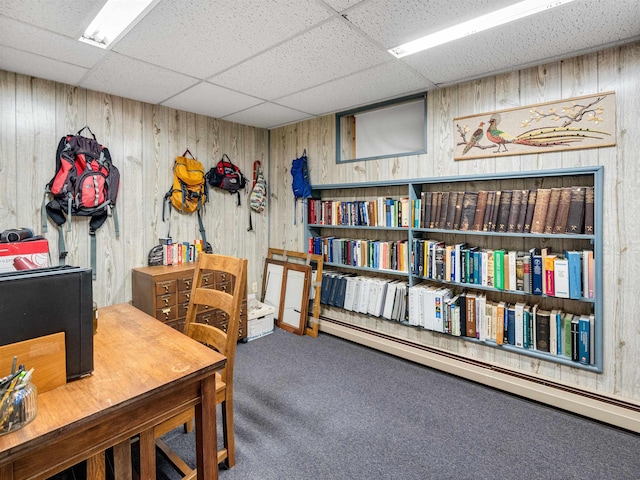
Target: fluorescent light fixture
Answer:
pixel 112 20
pixel 477 25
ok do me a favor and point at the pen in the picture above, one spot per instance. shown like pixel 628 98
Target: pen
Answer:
pixel 13 365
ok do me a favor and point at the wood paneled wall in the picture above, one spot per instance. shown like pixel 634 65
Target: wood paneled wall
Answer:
pixel 616 69
pixel 143 140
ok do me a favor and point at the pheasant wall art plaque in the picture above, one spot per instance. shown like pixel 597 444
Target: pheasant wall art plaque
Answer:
pixel 575 123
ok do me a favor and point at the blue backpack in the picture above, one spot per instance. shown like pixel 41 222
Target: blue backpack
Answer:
pixel 300 185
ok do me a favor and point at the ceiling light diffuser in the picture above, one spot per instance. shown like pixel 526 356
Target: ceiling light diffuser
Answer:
pixel 112 20
pixel 477 25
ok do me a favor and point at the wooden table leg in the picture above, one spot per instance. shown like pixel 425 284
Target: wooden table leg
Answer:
pixel 206 433
pixel 96 467
pixel 147 454
pixel 122 460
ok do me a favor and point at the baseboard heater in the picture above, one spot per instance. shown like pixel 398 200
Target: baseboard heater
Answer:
pixel 607 409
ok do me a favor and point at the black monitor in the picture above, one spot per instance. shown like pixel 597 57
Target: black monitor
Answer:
pixel 43 301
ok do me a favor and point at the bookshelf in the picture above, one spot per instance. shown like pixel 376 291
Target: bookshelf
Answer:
pixel 340 226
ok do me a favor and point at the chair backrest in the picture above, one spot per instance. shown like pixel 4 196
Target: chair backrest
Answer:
pixel 228 302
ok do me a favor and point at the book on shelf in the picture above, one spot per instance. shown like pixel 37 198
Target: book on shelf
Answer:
pixel 566 334
pixel 500 311
pixel 504 208
pixel 483 324
pixel 488 212
pixel 540 210
pixel 592 339
pixel 495 210
pixel 405 212
pixel 458 211
pixel 443 209
pixel 575 347
pixel 589 210
pixel 584 342
pixel 575 217
pixel 487 267
pixel 588 267
pixel 470 311
pixel 511 324
pixel 527 326
pixel 514 211
pixel 469 205
pixel 543 333
pixel 560 224
pixel 499 269
pixel 549 275
pixel 553 331
pixel 389 299
pixel 531 205
pixel 561 277
pixel 518 322
pixel 522 212
pixel 448 263
pixel 481 206
pixel 574 262
pixel 526 273
pixel 552 209
pixel 425 209
pixel 436 205
pixel 536 272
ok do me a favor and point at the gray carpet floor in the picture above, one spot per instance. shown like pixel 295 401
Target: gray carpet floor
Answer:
pixel 326 408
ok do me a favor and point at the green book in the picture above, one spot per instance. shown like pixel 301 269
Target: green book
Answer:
pixel 566 334
pixel 498 269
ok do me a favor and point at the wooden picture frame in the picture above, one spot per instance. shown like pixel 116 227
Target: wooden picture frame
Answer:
pixel 316 262
pixel 294 299
pixel 272 281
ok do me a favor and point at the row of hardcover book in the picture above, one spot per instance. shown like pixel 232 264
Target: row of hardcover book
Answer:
pixel 570 274
pixel 381 212
pixel 547 211
pixel 557 210
pixel 464 314
pixel 378 254
pixel 522 325
pixel 177 253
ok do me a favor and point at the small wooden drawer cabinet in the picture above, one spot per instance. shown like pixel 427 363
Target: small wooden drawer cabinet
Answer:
pixel 163 291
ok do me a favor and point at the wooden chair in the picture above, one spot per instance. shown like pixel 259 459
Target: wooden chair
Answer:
pixel 230 303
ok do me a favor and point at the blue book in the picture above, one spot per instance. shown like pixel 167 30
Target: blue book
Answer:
pixel 584 347
pixel 536 273
pixel 575 273
pixel 511 325
pixel 560 332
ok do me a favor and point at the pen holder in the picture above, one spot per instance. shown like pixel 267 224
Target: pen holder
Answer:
pixel 18 407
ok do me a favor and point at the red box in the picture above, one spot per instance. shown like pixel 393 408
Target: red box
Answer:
pixel 24 255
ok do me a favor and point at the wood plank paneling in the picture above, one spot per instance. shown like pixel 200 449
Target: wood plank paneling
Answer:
pixel 616 69
pixel 143 140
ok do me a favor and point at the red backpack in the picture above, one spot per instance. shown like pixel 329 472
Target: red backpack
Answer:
pixel 85 184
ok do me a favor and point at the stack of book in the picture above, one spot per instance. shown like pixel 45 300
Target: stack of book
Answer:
pixel 177 253
pixel 374 296
pixel 381 255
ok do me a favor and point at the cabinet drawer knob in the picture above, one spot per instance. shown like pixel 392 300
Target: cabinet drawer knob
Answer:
pixel 166 312
pixel 187 283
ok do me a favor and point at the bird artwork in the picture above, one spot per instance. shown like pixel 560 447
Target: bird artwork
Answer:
pixel 475 138
pixel 561 127
pixel 496 135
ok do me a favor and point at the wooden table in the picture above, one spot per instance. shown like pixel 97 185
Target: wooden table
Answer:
pixel 144 373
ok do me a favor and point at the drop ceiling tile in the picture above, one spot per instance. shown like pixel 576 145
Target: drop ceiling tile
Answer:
pixel 204 37
pixel 34 65
pixel 390 80
pixel 267 115
pixel 394 22
pixel 511 46
pixel 130 78
pixel 340 5
pixel 211 100
pixel 68 17
pixel 22 36
pixel 316 57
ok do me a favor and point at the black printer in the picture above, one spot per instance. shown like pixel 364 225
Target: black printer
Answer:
pixel 49 300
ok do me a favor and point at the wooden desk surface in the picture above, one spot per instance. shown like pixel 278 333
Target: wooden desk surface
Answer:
pixel 135 357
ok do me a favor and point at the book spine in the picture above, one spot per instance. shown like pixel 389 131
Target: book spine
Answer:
pixel 584 344
pixel 531 205
pixel 552 209
pixel 540 211
pixel 588 210
pixel 481 205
